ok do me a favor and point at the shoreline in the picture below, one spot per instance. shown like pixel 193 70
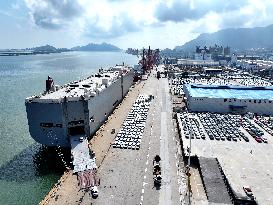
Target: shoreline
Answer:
pixel 25 53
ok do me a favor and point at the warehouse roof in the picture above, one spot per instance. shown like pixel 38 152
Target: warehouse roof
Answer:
pixel 236 92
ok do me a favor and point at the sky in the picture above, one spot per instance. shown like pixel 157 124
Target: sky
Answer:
pixel 124 23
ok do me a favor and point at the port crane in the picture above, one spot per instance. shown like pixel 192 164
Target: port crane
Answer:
pixel 149 59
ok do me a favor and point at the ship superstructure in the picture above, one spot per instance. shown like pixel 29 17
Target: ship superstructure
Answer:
pixel 78 108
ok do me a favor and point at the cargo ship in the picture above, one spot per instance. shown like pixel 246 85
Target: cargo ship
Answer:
pixel 78 108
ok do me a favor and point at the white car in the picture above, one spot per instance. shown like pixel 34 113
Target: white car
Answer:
pixel 94 191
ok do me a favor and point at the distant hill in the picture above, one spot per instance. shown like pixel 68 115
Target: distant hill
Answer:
pixel 236 38
pixel 96 47
pixel 47 49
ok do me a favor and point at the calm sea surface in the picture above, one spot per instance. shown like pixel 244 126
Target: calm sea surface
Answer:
pixel 27 170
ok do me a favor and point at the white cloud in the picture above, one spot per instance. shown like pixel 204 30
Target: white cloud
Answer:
pixel 209 16
pixel 53 14
pixel 138 23
pixel 95 18
pixel 177 10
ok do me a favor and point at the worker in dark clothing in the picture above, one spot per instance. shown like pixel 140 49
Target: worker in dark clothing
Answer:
pixel 158 75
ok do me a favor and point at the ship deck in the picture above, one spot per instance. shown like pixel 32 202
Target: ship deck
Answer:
pixel 76 89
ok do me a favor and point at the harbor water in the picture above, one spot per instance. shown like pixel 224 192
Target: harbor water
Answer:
pixel 27 169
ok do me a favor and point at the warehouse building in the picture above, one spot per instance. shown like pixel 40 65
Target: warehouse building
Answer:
pixel 229 99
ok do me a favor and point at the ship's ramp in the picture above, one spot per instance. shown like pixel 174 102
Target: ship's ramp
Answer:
pixel 87 179
pixel 80 154
pixel 215 186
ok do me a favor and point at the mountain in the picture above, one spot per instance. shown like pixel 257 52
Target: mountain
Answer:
pixel 47 49
pixel 236 38
pixel 96 47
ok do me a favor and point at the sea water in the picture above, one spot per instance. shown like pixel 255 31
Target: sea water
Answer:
pixel 28 170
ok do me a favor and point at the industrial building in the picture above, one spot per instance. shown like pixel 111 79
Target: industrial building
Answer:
pixel 229 99
pixel 212 53
pixel 198 63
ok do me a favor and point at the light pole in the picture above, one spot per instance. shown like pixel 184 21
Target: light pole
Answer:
pixel 189 160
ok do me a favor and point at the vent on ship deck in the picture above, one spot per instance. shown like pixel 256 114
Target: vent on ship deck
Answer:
pixel 78 130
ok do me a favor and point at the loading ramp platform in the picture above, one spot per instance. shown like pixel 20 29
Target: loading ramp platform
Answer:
pixel 84 163
pixel 214 184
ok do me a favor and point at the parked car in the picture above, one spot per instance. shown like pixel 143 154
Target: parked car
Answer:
pixel 246 138
pixel 258 139
pixel 94 191
pixel 264 140
pixel 248 191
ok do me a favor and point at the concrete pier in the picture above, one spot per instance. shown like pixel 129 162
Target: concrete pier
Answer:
pixel 125 175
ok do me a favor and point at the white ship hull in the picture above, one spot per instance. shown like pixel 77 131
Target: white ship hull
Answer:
pixel 54 122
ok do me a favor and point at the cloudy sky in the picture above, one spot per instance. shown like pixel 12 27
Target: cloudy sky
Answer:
pixel 125 23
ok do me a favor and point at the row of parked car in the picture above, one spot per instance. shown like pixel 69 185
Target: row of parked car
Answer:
pixel 206 81
pixel 191 127
pixel 222 126
pixel 265 123
pixel 253 82
pixel 177 83
pixel 177 89
pixel 130 135
pixel 254 131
